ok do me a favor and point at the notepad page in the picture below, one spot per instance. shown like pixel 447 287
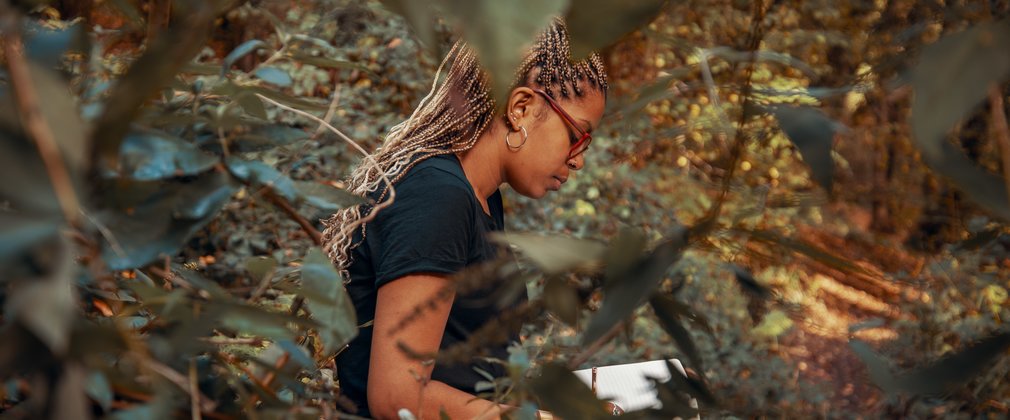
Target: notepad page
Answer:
pixel 628 385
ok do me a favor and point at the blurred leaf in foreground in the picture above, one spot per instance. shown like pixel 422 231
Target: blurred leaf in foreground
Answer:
pixel 952 77
pixel 813 133
pixel 629 289
pixel 591 32
pixel 338 321
pixel 565 395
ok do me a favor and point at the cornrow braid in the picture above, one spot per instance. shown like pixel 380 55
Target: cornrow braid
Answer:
pixel 450 119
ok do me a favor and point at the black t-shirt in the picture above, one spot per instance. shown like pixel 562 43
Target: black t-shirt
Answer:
pixel 435 225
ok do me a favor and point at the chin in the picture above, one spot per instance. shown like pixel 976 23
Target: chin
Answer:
pixel 532 193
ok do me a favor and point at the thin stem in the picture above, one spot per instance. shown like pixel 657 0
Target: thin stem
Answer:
pixel 35 124
pixel 368 157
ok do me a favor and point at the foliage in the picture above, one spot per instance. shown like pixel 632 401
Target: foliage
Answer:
pixel 160 244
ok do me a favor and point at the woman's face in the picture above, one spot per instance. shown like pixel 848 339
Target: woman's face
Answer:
pixel 542 163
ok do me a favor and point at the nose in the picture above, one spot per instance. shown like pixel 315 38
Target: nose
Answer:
pixel 576 163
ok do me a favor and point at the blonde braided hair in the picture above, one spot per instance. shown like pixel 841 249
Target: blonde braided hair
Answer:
pixel 450 119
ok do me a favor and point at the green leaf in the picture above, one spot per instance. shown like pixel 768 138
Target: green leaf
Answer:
pixel 259 137
pixel 330 63
pixel 813 133
pixel 669 317
pixel 338 323
pixel 47 46
pixel 959 368
pixel 99 389
pixel 326 197
pixel 240 51
pixel 20 231
pixel 260 322
pixel 623 252
pixel 251 104
pixel 259 174
pixel 298 354
pixel 692 385
pixel 274 76
pixel 260 267
pixel 628 290
pixel 419 15
pixel 231 89
pixel 565 395
pixel 151 155
pixel 594 24
pixel 876 366
pixel 952 77
pixel 987 189
pixel 47 306
pixel 162 221
pixel 562 300
pixel 773 325
pixel 162 59
pixel 500 32
pixel 554 254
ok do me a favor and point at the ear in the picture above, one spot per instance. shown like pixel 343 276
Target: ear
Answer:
pixel 520 107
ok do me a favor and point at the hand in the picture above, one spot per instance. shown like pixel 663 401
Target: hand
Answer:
pixel 613 408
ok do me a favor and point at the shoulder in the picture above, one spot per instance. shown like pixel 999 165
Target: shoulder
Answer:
pixel 435 179
pixel 435 186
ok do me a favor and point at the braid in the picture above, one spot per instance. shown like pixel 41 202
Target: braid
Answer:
pixel 450 119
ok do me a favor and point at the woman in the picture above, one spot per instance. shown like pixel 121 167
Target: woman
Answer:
pixel 446 163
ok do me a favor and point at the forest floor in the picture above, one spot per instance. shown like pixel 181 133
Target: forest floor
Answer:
pixel 849 304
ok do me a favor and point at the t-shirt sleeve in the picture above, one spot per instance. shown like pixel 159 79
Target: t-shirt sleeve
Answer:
pixel 429 228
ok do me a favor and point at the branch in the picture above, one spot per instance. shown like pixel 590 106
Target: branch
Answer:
pixel 205 404
pixel 1002 132
pixel 35 124
pixel 708 221
pixel 596 346
pixel 288 209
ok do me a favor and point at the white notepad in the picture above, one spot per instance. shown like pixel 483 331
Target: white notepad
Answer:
pixel 627 385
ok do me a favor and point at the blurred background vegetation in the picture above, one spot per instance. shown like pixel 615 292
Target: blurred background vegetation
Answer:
pixel 803 201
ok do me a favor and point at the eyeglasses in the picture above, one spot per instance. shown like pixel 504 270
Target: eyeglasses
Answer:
pixel 580 143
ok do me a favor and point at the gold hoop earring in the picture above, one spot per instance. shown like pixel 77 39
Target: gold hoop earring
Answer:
pixel 509 143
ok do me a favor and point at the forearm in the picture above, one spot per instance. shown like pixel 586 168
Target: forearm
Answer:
pixel 457 404
pixel 430 401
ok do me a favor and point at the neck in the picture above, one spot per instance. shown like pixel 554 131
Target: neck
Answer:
pixel 482 164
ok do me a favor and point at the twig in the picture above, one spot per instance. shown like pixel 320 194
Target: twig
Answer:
pixel 228 341
pixel 35 123
pixel 106 233
pixel 595 346
pixel 736 154
pixel 368 158
pixel 194 406
pixel 205 404
pixel 237 364
pixel 288 209
pixel 267 380
pixel 713 94
pixel 999 126
pixel 329 112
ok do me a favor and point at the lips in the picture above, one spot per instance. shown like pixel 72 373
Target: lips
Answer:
pixel 559 182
